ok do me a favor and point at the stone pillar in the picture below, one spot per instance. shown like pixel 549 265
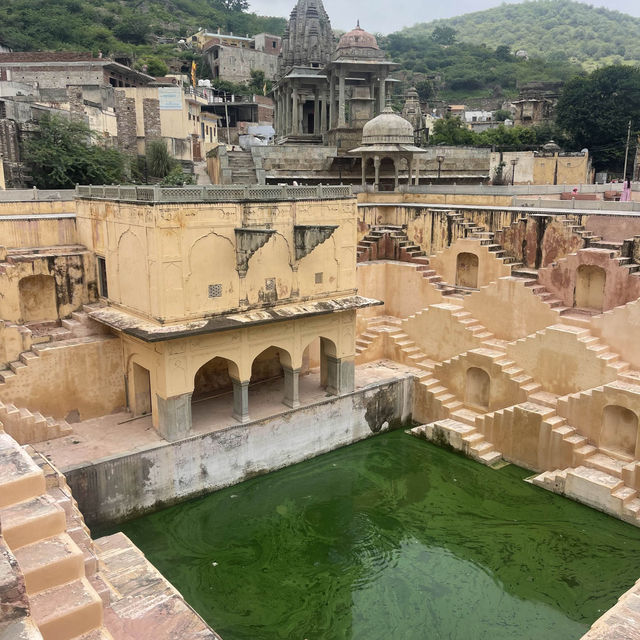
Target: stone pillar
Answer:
pixel 240 400
pixel 382 93
pixel 301 116
pixel 332 101
pixel 376 166
pixel 279 112
pixel 417 165
pixel 316 111
pixel 174 417
pixel 372 94
pixel 342 118
pixel 323 113
pixel 364 171
pixel 396 170
pixel 340 375
pixel 295 117
pixel 286 103
pixel 291 380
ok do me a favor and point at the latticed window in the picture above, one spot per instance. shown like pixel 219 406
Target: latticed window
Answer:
pixel 215 290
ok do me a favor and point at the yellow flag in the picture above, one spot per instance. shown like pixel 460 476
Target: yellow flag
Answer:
pixel 193 73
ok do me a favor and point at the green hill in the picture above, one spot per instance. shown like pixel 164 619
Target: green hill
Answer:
pixel 557 30
pixel 133 27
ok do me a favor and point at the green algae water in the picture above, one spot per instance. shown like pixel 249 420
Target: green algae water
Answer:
pixel 393 539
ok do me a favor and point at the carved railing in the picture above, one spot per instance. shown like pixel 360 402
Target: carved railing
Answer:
pixel 212 193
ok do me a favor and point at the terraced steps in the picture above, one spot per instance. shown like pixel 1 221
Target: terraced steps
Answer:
pixel 461 437
pixel 595 488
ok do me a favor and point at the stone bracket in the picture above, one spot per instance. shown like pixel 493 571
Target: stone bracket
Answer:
pixel 308 237
pixel 248 241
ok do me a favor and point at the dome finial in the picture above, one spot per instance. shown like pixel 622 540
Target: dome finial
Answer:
pixel 358 23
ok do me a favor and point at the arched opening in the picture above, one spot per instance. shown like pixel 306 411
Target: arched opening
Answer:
pixel 590 281
pixel 38 299
pixel 212 379
pixel 140 398
pixel 267 368
pixel 212 400
pixel 478 386
pixel 619 431
pixel 467 270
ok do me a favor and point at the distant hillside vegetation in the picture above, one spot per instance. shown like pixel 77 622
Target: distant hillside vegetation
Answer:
pixel 139 27
pixel 557 30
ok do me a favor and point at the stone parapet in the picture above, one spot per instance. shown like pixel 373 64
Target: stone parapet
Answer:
pixel 213 193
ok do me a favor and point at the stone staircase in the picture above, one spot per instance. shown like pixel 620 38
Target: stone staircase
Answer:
pixel 372 339
pixel 242 167
pixel 392 342
pixel 598 482
pixel 496 361
pixel 459 436
pixel 389 242
pixel 27 427
pixel 45 532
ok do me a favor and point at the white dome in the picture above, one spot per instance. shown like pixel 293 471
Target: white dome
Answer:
pixel 387 128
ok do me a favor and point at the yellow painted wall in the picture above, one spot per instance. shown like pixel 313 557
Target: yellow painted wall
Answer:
pixel 620 328
pixel 16 234
pixel 560 362
pixel 490 268
pixel 76 284
pixel 86 377
pixel 174 364
pixel 161 259
pixel 438 334
pixel 509 310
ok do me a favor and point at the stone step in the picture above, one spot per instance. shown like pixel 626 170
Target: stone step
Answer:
pixel 50 562
pixel 67 611
pixel 31 520
pixel 468 416
pixel 544 398
pixel 592 487
pixel 624 494
pixel 20 478
pixel 605 463
pixel 490 458
pixel 575 319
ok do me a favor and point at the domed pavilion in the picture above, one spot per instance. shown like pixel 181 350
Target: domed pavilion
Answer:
pixel 389 135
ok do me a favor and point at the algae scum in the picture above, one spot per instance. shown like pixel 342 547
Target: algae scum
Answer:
pixel 391 538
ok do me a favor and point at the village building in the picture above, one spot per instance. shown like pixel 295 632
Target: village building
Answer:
pixel 233 58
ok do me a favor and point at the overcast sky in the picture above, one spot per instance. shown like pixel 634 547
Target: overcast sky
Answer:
pixel 385 16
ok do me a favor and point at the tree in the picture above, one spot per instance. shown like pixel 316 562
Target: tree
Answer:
pixel 451 131
pixel 595 112
pixel 133 28
pixel 61 154
pixel 425 90
pixel 503 52
pixel 155 66
pixel 258 83
pixel 444 35
pixel 501 115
